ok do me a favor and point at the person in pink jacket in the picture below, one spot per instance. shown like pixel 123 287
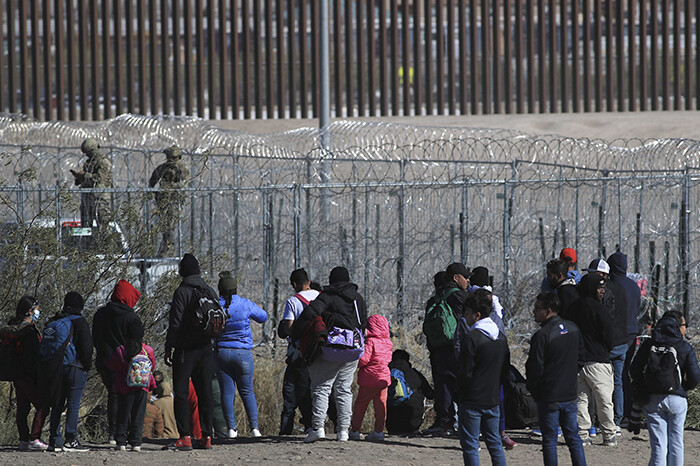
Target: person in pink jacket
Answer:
pixel 131 387
pixel 373 378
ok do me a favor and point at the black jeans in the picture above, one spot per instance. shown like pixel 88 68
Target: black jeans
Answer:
pixel 296 392
pixel 198 365
pixel 107 377
pixel 131 408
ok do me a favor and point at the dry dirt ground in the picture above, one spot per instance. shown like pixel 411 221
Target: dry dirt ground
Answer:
pixel 394 450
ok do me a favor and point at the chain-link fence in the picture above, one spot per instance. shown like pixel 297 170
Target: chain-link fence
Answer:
pixel 393 203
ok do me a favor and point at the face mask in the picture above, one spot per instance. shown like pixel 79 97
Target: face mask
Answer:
pixel 35 315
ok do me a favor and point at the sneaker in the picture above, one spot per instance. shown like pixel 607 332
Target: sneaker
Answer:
pixel 585 441
pixel 232 433
pixel 618 431
pixel 376 436
pixel 23 446
pixel 74 445
pixel 592 431
pixel 448 432
pixel 316 434
pixel 536 432
pixel 343 436
pixel 204 443
pixel 355 435
pixel 136 448
pixel 434 429
pixel 181 444
pixel 37 445
pixel 120 448
pixel 559 432
pixel 610 442
pixel 54 449
pixel 255 433
pixel 111 440
pixel 508 444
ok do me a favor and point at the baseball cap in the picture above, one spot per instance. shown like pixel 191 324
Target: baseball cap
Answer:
pixel 457 268
pixel 598 265
pixel 568 255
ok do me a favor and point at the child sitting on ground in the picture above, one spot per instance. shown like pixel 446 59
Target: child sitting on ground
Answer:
pixel 134 364
pixel 374 378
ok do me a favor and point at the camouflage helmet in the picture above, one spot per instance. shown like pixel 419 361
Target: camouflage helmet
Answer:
pixel 173 152
pixel 89 145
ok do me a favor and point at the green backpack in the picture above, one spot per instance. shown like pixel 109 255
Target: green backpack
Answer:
pixel 440 322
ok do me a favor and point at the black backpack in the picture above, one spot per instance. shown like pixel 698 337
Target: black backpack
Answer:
pixel 662 373
pixel 9 356
pixel 520 405
pixel 209 317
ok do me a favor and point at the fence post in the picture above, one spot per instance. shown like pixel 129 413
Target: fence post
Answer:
pixel 400 264
pixel 365 290
pixel 267 239
pixel 464 224
pixel 683 242
pixel 297 225
pixel 619 213
pixel 601 215
pixel 506 241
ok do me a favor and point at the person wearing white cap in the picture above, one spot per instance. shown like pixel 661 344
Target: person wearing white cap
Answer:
pixel 615 301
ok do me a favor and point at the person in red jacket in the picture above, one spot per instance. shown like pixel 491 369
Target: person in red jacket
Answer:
pixel 373 378
pixel 131 400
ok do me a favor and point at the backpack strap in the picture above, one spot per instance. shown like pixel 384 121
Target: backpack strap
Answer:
pixel 303 300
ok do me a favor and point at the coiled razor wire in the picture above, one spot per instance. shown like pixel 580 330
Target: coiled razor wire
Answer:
pixel 395 203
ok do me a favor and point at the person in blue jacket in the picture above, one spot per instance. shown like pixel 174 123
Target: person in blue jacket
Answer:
pixel 234 358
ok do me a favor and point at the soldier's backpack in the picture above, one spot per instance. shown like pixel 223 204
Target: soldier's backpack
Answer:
pixel 140 370
pixel 662 374
pixel 210 318
pixel 440 322
pixel 399 391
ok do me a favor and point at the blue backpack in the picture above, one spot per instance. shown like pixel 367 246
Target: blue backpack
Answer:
pixel 57 337
pixel 399 391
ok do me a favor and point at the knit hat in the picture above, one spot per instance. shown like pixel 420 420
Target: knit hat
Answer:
pixel 480 276
pixel 189 265
pixel 339 275
pixel 74 300
pixel 25 304
pixel 227 282
pixel 590 283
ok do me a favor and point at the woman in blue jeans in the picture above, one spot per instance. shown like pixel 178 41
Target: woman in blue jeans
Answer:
pixel 234 358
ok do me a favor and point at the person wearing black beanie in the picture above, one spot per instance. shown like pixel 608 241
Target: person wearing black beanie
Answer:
pixel 189 351
pixel 74 377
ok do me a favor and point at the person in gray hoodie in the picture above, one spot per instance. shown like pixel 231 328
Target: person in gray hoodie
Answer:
pixel 618 274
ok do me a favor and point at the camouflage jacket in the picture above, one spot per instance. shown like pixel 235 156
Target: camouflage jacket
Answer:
pixel 98 172
pixel 172 174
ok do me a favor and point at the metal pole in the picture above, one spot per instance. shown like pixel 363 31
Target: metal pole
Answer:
pixel 297 226
pixel 324 107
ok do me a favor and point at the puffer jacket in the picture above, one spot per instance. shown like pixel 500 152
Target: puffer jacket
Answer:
pixel 666 333
pixel 337 307
pixel 374 363
pixel 237 332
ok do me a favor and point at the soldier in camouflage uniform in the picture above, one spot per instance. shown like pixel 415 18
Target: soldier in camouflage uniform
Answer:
pixel 172 176
pixel 96 173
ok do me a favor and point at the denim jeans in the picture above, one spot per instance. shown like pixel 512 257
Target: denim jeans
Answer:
pixel 235 368
pixel 665 418
pixel 553 415
pixel 473 420
pixel 73 384
pixel 617 358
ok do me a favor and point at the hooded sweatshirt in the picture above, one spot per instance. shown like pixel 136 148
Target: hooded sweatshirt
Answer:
pixel 82 339
pixel 115 322
pixel 484 360
pixel 618 274
pixel 374 363
pixel 667 333
pixel 497 312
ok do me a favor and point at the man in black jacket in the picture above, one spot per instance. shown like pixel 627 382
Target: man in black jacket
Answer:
pixel 557 276
pixel 112 325
pixel 483 364
pixel 450 286
pixel 596 376
pixel 340 305
pixel 188 350
pixel 75 374
pixel 551 371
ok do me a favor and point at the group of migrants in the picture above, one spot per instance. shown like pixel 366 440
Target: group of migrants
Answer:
pixel 586 358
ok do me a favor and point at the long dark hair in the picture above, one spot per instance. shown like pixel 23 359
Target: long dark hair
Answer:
pixel 133 346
